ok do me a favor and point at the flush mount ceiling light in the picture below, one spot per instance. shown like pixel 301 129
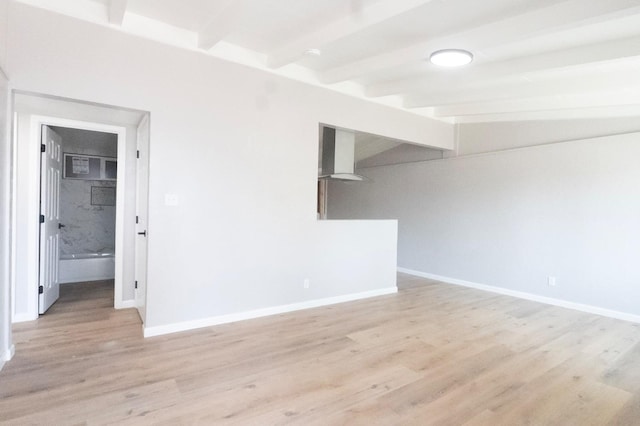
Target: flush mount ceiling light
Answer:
pixel 313 52
pixel 451 58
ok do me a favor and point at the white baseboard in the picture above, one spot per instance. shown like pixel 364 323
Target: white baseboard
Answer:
pixel 7 355
pixel 10 353
pixel 125 304
pixel 24 317
pixel 528 296
pixel 241 316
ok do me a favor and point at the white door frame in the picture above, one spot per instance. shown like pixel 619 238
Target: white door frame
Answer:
pixel 36 123
pixel 142 199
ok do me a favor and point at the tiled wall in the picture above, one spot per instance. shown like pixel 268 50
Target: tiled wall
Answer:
pixel 88 228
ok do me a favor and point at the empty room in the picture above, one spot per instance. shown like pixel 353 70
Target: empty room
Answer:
pixel 339 212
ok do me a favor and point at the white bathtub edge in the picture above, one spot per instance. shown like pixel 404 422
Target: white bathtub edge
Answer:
pixel 87 269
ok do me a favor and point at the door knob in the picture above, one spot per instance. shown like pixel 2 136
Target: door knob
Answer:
pixel 144 233
pixel 60 226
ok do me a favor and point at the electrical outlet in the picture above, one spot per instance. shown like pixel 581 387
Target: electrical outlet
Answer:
pixel 307 283
pixel 551 281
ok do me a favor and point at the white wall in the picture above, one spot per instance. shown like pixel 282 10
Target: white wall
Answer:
pixel 5 247
pixel 245 239
pixel 348 260
pixel 351 254
pixel 5 319
pixel 4 12
pixel 510 219
pixel 26 181
pixel 88 228
pixel 475 138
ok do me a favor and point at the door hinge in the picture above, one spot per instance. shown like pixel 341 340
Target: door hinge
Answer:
pixel 136 285
pixel 138 154
pixel 137 219
pixel 43 148
pixel 40 290
pixel 41 218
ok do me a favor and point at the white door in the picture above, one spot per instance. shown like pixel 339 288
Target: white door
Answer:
pixel 51 172
pixel 142 185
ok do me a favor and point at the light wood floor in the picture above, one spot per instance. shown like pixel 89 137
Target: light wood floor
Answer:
pixel 433 354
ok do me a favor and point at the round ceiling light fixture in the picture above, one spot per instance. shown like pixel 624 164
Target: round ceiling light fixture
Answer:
pixel 313 52
pixel 451 57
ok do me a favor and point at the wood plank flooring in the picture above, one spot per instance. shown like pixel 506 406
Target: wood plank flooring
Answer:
pixel 434 354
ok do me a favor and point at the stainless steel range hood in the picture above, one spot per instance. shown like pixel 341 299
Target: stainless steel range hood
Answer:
pixel 338 155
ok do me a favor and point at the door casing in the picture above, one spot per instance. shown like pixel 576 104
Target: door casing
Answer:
pixel 36 123
pixel 142 216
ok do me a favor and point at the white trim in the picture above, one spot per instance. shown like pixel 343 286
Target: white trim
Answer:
pixel 24 317
pixel 527 296
pixel 7 355
pixel 36 123
pixel 125 304
pixel 241 316
pixel 13 215
pixel 143 136
pixel 121 188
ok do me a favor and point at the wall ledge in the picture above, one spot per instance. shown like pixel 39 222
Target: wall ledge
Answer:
pixel 527 296
pixel 258 313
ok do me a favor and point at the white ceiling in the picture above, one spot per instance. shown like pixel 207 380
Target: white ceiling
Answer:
pixel 533 58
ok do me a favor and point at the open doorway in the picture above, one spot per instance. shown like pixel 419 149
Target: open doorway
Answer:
pixel 78 206
pixel 105 175
pixel 345 157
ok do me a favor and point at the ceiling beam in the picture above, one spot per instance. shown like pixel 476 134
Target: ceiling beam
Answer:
pixel 581 101
pixel 347 25
pixel 540 22
pixel 217 28
pixel 551 62
pixel 606 79
pixel 117 9
pixel 596 112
